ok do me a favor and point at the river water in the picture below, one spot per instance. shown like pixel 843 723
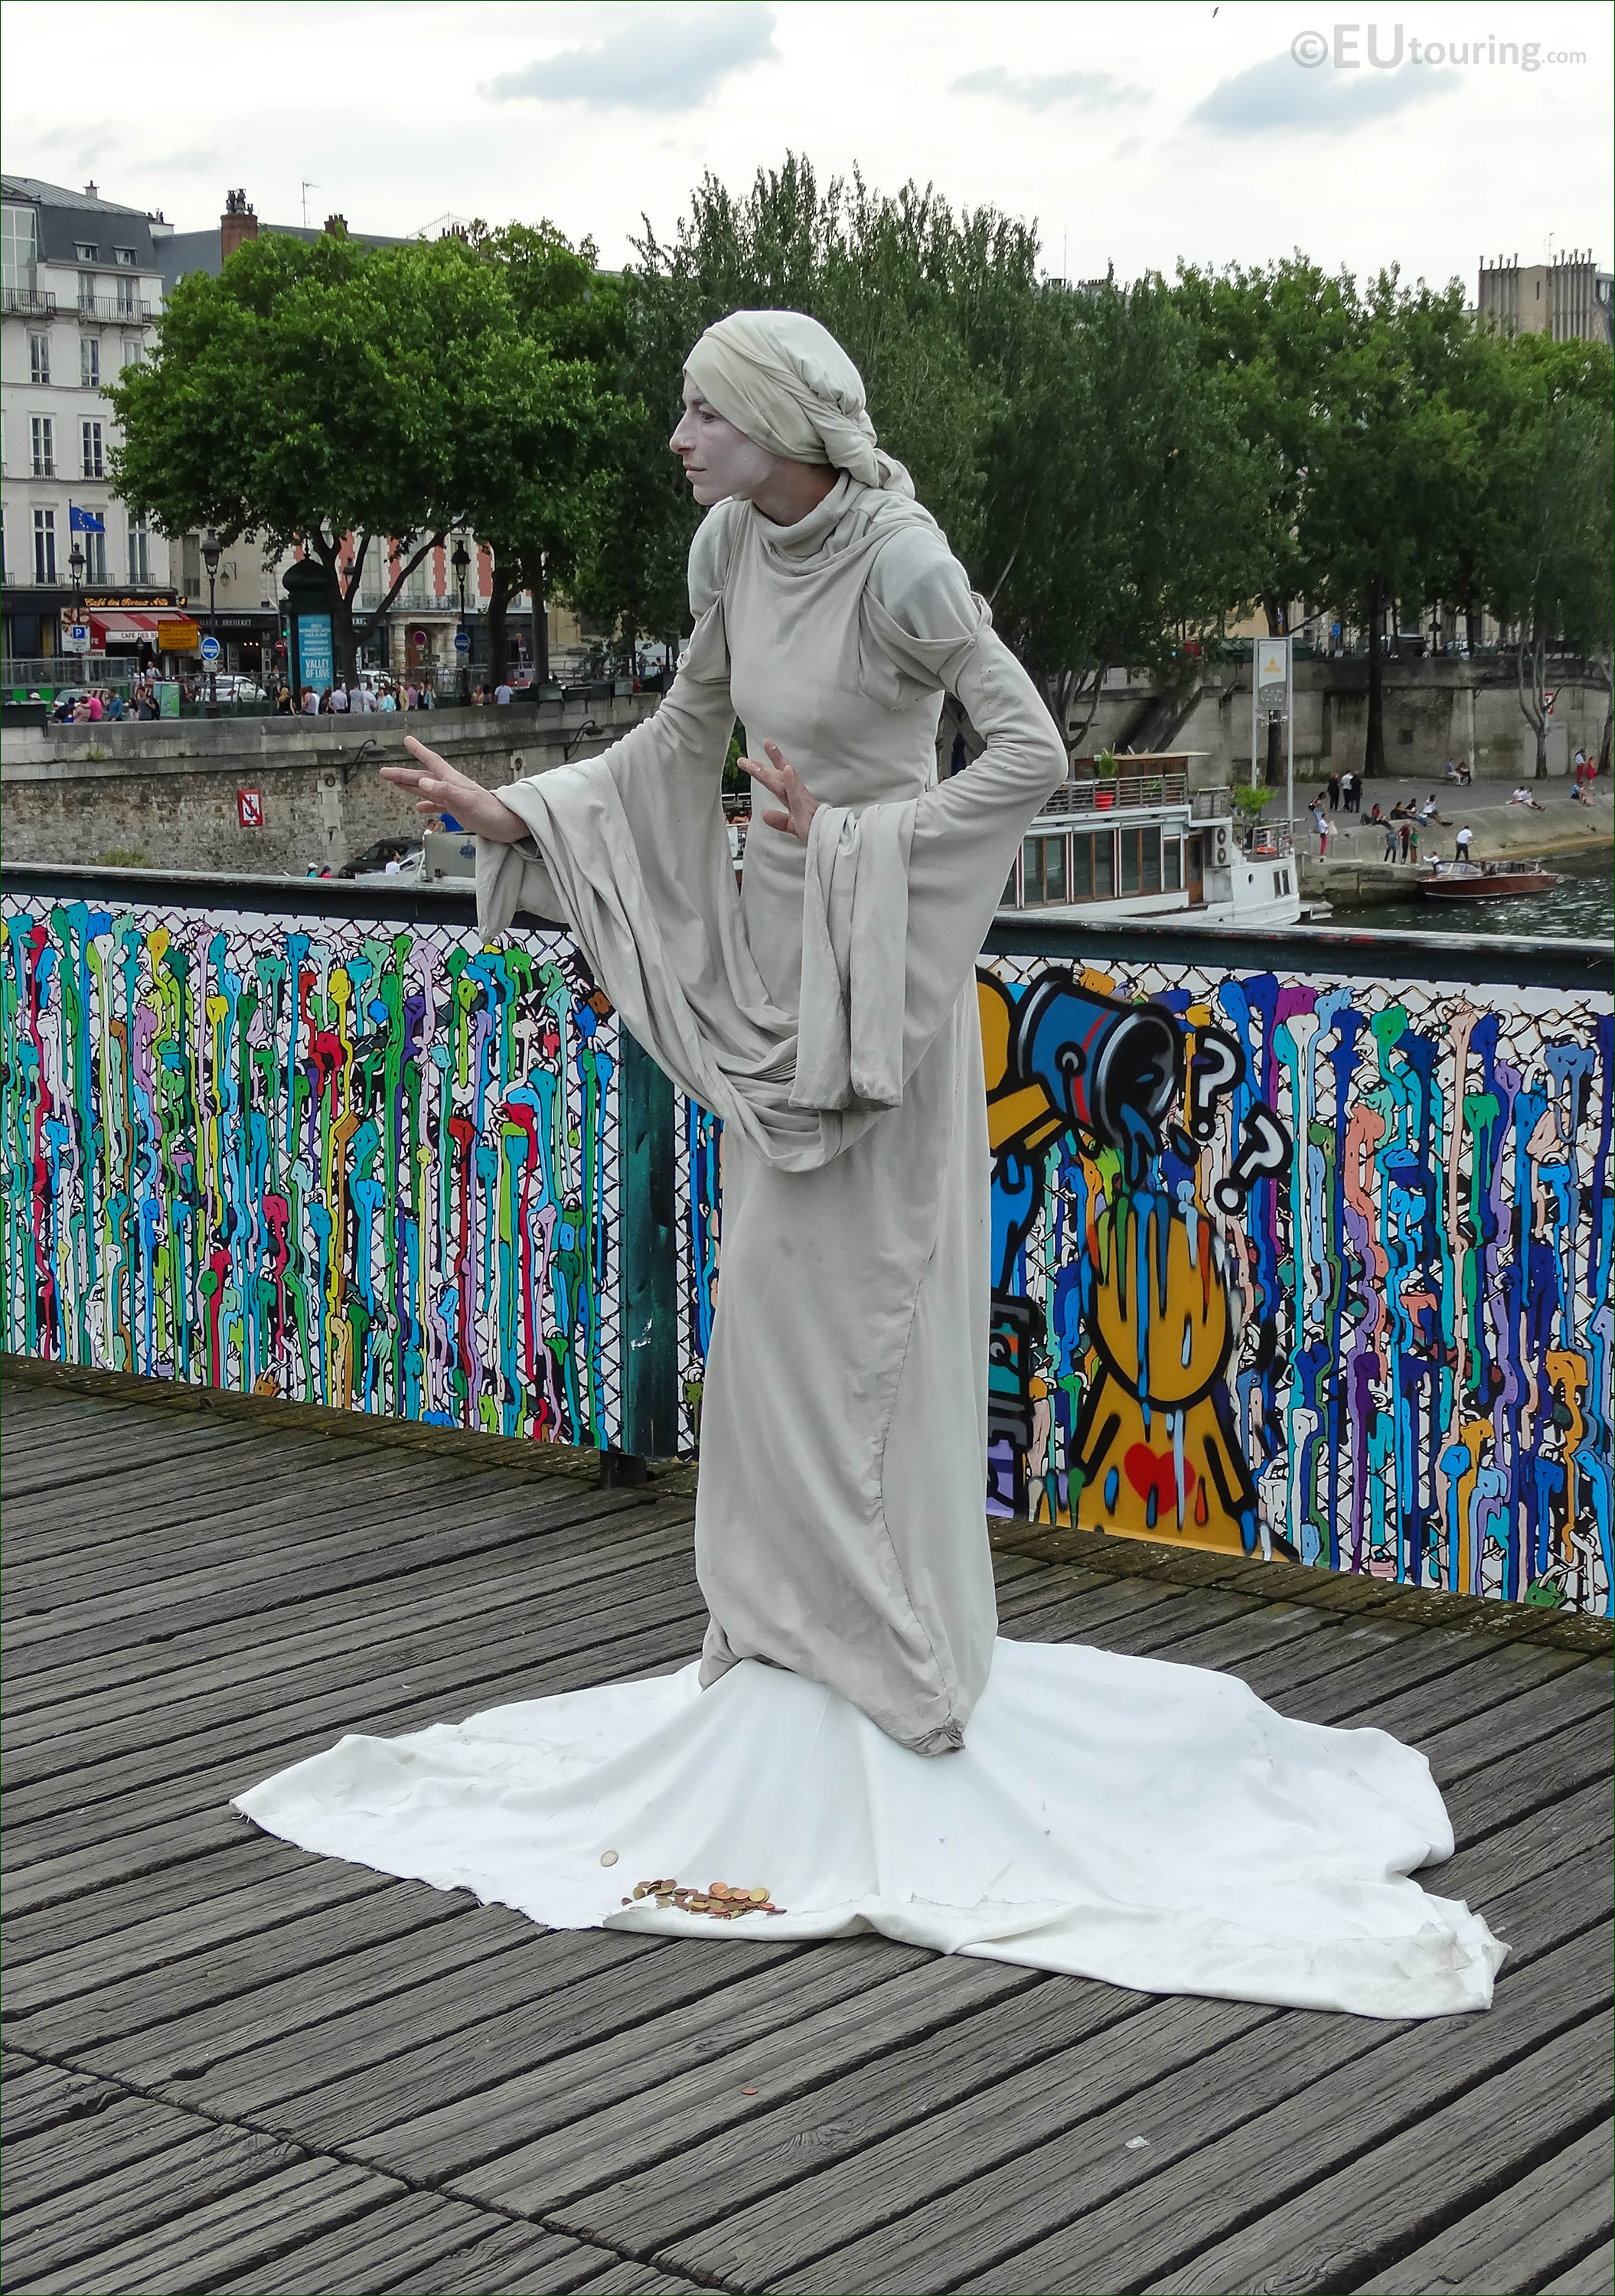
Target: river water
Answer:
pixel 1580 907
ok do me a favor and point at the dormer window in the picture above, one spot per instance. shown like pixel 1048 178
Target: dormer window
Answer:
pixel 87 251
pixel 125 258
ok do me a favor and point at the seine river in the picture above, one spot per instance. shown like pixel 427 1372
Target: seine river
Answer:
pixel 1580 907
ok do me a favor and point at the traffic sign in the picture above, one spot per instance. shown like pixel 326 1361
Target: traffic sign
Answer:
pixel 209 649
pixel 249 809
pixel 462 641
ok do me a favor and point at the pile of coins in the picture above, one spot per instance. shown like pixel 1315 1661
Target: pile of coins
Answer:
pixel 721 1902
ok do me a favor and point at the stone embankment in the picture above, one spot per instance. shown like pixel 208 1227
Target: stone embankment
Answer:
pixel 1356 871
pixel 266 795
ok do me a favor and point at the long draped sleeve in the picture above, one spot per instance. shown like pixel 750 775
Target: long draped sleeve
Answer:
pixel 898 898
pixel 631 847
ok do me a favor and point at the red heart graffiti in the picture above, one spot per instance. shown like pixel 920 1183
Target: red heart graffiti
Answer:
pixel 1154 1470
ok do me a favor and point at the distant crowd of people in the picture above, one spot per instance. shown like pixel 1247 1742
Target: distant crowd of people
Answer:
pixel 385 697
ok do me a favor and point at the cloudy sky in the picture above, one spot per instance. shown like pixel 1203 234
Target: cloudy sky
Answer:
pixel 1135 134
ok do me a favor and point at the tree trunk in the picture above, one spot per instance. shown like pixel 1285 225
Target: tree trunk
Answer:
pixel 541 626
pixel 1373 743
pixel 498 606
pixel 1471 627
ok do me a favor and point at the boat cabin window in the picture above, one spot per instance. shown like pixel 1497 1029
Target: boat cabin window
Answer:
pixel 1043 871
pixel 1140 860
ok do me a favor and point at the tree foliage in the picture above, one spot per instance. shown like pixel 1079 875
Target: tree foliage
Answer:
pixel 313 392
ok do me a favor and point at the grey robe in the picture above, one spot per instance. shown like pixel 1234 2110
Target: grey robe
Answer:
pixel 827 1013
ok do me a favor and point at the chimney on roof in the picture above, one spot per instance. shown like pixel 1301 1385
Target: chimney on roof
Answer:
pixel 90 192
pixel 336 227
pixel 237 224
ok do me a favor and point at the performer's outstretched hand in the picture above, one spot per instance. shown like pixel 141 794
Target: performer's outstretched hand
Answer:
pixel 442 788
pixel 782 778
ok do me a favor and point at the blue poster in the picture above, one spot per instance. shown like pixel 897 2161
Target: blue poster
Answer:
pixel 316 658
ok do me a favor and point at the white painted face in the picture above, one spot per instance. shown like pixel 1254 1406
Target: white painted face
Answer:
pixel 719 461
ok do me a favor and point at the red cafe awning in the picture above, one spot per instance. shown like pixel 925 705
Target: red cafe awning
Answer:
pixel 109 623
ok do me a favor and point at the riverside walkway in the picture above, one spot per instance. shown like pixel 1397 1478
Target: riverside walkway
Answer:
pixel 232 2066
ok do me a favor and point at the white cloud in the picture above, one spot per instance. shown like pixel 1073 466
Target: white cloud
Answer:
pixel 664 64
pixel 1280 96
pixel 1096 88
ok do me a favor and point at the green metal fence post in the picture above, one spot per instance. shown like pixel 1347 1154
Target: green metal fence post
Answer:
pixel 650 1258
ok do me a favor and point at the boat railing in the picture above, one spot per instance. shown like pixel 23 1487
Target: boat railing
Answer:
pixel 1118 793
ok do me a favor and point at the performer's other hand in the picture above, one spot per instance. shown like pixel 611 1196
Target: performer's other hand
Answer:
pixel 440 787
pixel 782 779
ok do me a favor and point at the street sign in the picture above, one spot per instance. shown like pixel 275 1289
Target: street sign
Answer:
pixel 1272 672
pixel 75 637
pixel 462 641
pixel 249 809
pixel 209 649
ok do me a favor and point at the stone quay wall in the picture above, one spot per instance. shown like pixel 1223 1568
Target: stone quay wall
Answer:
pixel 173 789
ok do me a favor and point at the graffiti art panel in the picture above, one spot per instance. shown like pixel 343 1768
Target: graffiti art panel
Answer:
pixel 1285 1264
pixel 349 1163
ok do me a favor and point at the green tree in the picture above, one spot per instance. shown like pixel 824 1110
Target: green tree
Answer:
pixel 339 398
pixel 1546 505
pixel 1122 507
pixel 1395 443
pixel 549 519
pixel 890 277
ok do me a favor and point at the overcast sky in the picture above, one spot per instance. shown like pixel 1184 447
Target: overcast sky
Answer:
pixel 1134 134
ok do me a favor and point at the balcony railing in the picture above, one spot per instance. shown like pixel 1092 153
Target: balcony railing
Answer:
pixel 106 309
pixel 29 303
pixel 1114 796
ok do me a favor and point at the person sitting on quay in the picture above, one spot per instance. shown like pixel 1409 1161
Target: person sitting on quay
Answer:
pixel 1457 771
pixel 1522 796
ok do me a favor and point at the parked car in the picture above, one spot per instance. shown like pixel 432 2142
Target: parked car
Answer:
pixel 374 858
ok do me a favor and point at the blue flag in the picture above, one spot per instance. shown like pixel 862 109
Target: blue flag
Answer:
pixel 84 522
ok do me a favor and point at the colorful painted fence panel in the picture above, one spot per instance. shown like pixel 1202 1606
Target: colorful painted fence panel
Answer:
pixel 355 1163
pixel 1284 1263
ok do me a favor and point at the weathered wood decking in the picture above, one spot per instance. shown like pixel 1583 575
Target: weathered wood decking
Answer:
pixel 234 2067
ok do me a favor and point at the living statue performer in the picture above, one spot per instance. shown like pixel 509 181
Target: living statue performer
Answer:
pixel 854 1738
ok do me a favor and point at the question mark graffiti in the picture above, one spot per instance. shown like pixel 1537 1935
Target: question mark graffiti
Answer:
pixel 1217 1066
pixel 1264 1150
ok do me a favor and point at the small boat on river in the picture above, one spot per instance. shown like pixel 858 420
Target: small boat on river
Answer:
pixel 1486 880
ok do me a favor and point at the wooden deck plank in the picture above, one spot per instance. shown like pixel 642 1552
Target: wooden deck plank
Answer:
pixel 418 1612
pixel 37 2097
pixel 419 2232
pixel 84 2026
pixel 514 2260
pixel 1497 2131
pixel 387 1703
pixel 187 2164
pixel 125 2131
pixel 357 1969
pixel 700 2058
pixel 134 1803
pixel 609 1525
pixel 225 2238
pixel 1593 2274
pixel 241 1913
pixel 1262 2162
pixel 1532 2229
pixel 441 1655
pixel 69 1469
pixel 941 2225
pixel 553 1982
pixel 920 2123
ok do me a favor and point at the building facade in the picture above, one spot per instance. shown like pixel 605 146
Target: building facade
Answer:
pixel 82 290
pixel 1570 298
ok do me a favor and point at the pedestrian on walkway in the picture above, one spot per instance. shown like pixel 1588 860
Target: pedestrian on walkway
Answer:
pixel 1334 792
pixel 1320 822
pixel 1463 841
pixel 1407 836
pixel 1390 840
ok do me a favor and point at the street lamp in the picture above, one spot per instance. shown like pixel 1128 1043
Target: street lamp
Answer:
pixel 76 569
pixel 212 550
pixel 461 563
